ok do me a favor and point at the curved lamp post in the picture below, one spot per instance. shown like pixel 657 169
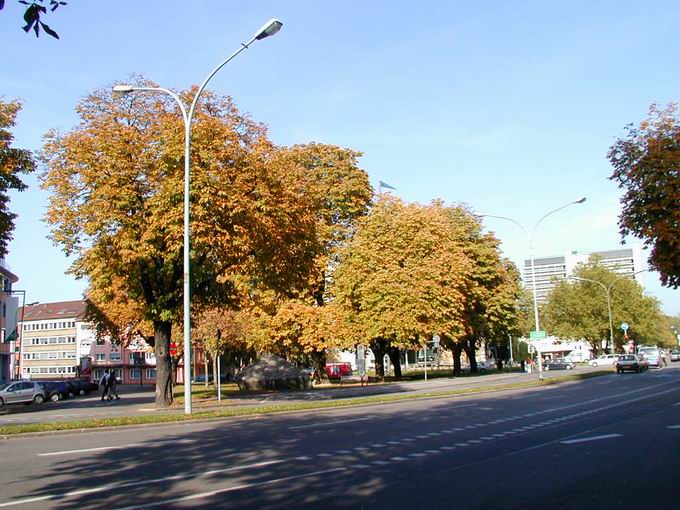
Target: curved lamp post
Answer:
pixel 607 290
pixel 530 236
pixel 268 29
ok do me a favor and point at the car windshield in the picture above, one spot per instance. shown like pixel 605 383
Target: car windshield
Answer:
pixel 3 387
pixel 628 358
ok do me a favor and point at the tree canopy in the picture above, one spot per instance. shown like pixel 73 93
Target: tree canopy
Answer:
pixel 578 309
pixel 13 163
pixel 34 15
pixel 647 166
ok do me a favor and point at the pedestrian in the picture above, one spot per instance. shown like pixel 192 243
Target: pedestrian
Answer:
pixel 111 383
pixel 104 383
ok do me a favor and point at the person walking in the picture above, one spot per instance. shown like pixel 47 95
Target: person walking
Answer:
pixel 112 383
pixel 104 383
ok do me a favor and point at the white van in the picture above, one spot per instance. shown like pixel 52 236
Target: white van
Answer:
pixel 581 356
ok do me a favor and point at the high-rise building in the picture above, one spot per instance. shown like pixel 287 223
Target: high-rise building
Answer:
pixel 550 270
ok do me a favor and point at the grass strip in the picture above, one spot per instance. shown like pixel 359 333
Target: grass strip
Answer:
pixel 172 417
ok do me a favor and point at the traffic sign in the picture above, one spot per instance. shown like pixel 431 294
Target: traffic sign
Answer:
pixel 361 360
pixel 537 335
pixel 624 326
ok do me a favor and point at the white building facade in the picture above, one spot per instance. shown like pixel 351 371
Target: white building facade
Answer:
pixel 551 270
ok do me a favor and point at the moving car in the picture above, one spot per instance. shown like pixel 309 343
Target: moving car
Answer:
pixel 22 392
pixel 632 362
pixel 558 364
pixel 604 359
pixel 652 355
pixel 675 355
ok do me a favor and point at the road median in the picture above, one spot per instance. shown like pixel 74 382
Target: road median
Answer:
pixel 8 431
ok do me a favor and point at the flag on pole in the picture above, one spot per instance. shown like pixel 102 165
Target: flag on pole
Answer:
pixel 382 185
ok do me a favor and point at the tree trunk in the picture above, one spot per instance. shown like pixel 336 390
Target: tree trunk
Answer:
pixel 395 358
pixel 472 356
pixel 205 363
pixel 378 346
pixel 457 350
pixel 164 372
pixel 319 366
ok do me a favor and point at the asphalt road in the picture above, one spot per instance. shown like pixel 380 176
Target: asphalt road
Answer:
pixel 607 442
pixel 135 401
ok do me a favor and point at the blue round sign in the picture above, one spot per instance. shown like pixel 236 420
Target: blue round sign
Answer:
pixel 624 326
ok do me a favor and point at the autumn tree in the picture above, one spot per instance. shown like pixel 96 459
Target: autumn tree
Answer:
pixel 299 327
pixel 578 309
pixel 13 163
pixel 402 278
pixel 490 311
pixel 647 167
pixel 116 183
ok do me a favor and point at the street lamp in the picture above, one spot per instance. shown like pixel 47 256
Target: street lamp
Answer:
pixel 533 269
pixel 607 290
pixel 270 28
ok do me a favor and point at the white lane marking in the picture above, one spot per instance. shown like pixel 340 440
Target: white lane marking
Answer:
pixel 393 442
pixel 202 495
pixel 377 445
pixel 448 448
pixel 399 458
pixel 416 455
pixel 593 438
pixel 421 437
pixel 380 463
pixel 121 485
pixel 673 427
pixel 360 466
pixel 343 452
pixel 432 451
pixel 360 449
pixel 676 404
pixel 462 444
pixel 326 424
pixel 433 434
pixel 83 450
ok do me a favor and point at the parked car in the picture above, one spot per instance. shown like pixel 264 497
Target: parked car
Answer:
pixel 632 362
pixel 22 392
pixel 58 390
pixel 83 386
pixel 675 355
pixel 558 364
pixel 604 360
pixel 578 356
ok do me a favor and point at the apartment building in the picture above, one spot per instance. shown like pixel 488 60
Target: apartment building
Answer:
pixel 9 302
pixel 48 345
pixel 550 270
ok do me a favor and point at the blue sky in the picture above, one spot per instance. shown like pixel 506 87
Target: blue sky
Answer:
pixel 509 107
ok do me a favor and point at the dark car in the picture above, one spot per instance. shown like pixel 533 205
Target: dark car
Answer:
pixel 58 390
pixel 558 364
pixel 631 362
pixel 83 386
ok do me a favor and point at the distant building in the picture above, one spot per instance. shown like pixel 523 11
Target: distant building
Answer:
pixel 48 345
pixel 550 270
pixel 9 304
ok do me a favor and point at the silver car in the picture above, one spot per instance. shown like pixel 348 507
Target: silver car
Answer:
pixel 21 392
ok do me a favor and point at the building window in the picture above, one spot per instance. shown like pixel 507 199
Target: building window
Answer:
pixel 134 373
pixel 100 357
pixel 114 356
pixel 150 373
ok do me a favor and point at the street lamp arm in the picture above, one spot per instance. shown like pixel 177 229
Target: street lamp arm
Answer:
pixel 624 277
pixel 125 89
pixel 531 237
pixel 579 278
pixel 507 219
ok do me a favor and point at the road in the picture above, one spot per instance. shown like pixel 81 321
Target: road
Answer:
pixel 136 401
pixel 607 442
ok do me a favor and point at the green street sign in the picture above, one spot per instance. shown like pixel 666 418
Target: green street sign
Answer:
pixel 537 335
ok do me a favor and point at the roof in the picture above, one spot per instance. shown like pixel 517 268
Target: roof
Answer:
pixel 58 310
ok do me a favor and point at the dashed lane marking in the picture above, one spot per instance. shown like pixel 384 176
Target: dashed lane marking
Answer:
pixel 592 438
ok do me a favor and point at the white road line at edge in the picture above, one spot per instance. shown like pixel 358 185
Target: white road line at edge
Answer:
pixel 202 495
pixel 325 424
pixel 98 449
pixel 593 438
pixel 673 427
pixel 122 485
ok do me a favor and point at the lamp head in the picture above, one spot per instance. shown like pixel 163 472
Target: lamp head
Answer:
pixel 580 201
pixel 122 89
pixel 269 28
